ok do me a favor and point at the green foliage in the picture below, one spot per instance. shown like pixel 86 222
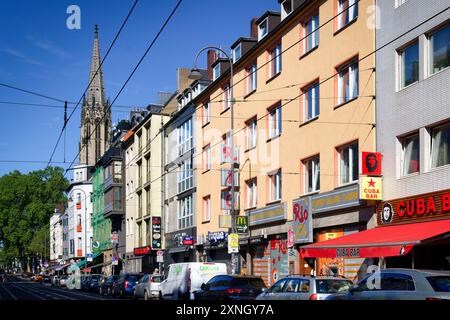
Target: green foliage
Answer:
pixel 27 202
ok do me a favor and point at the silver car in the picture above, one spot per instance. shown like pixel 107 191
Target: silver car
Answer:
pixel 400 284
pixel 304 287
pixel 148 287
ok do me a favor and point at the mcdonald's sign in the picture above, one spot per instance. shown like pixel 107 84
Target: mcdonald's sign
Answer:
pixel 242 224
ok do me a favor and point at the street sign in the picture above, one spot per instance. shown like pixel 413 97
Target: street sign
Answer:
pixel 114 237
pixel 159 259
pixel 224 221
pixel 114 261
pixel 233 243
pixel 159 253
pixel 242 224
pixel 89 257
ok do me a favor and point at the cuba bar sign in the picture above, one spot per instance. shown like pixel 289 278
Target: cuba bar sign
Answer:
pixel 420 208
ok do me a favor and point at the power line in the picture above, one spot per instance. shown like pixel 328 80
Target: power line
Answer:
pixel 92 79
pixel 130 76
pixel 31 92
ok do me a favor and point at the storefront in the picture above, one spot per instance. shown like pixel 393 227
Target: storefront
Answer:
pixel 412 232
pixel 214 248
pixel 180 246
pixel 143 259
pixel 265 251
pixel 327 216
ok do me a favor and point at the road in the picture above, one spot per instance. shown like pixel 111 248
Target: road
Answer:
pixel 22 289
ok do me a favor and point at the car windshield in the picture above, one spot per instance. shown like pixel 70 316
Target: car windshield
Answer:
pixel 248 282
pixel 440 283
pixel 332 285
pixel 134 277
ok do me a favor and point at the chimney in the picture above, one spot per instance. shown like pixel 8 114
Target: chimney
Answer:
pixel 253 28
pixel 212 57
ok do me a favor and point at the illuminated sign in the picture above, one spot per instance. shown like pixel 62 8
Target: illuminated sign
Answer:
pixel 302 220
pixel 370 188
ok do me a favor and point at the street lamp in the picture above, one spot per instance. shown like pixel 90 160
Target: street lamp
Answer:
pixel 196 75
pixel 85 220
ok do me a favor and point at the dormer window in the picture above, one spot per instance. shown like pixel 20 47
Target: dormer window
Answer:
pixel 237 53
pixel 286 8
pixel 263 29
pixel 216 71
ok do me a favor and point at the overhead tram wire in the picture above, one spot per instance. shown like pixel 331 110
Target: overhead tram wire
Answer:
pixel 129 77
pixel 321 82
pixel 92 79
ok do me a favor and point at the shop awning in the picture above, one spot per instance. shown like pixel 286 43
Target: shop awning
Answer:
pixel 378 242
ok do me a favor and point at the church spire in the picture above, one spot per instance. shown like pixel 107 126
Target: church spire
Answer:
pixel 96 92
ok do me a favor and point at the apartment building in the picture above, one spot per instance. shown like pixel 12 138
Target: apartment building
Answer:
pixel 304 108
pixel 413 127
pixel 56 236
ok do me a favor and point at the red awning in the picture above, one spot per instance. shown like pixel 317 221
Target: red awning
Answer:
pixel 378 242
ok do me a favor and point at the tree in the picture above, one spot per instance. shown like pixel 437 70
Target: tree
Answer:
pixel 27 202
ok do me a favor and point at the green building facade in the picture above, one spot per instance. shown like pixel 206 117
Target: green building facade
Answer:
pixel 101 227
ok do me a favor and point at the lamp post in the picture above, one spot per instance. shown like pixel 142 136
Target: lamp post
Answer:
pixel 85 221
pixel 196 75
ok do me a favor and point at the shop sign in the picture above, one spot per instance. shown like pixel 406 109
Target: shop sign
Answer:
pixel 156 233
pixel 142 251
pixel 371 163
pixel 176 239
pixel 225 178
pixel 114 261
pixel 267 214
pixel 419 208
pixel 335 200
pixel 233 243
pixel 370 188
pixel 347 252
pixel 227 201
pixel 290 238
pixel 224 221
pixel 217 236
pixel 188 241
pixel 114 237
pixel 302 223
pixel 242 224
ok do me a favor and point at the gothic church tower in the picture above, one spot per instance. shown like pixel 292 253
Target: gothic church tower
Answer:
pixel 95 114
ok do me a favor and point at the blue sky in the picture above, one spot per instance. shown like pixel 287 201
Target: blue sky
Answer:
pixel 39 53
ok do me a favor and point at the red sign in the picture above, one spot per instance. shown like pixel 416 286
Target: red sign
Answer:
pixel 142 251
pixel 188 241
pixel 371 163
pixel 421 206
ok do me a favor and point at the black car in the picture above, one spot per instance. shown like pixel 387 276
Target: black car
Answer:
pixel 93 282
pixel 107 284
pixel 231 287
pixel 126 283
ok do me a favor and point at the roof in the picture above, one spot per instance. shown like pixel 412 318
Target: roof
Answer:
pixel 127 136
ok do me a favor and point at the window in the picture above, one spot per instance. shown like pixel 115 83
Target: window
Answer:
pixel 440 146
pixel 206 208
pixel 347 82
pixel 286 8
pixel 207 157
pixel 292 285
pixel 397 282
pixel 311 169
pixel 347 12
pixel 439 46
pixel 263 29
pixel 310 33
pixel 275 186
pixel 275 122
pixel 275 61
pixel 79 244
pixel 185 176
pixel 251 133
pixel 278 286
pixel 226 101
pixel 311 101
pixel 206 113
pixel 410 155
pixel 72 246
pixel 251 78
pixel 409 65
pixel 216 71
pixel 237 53
pixel 252 193
pixel 185 137
pixel 185 213
pixel 348 163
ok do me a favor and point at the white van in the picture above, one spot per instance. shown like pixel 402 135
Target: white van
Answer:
pixel 183 279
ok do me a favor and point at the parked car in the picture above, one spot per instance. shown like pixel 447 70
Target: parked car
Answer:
pixel 38 278
pixel 93 282
pixel 183 279
pixel 107 284
pixel 84 280
pixel 124 286
pixel 231 287
pixel 148 287
pixel 400 284
pixel 62 281
pixel 46 279
pixel 299 287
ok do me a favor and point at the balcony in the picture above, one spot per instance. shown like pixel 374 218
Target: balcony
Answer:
pixel 112 181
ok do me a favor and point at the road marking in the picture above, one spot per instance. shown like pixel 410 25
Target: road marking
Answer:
pixel 10 293
pixel 29 291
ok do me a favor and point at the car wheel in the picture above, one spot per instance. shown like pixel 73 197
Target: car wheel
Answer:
pixel 146 295
pixel 160 296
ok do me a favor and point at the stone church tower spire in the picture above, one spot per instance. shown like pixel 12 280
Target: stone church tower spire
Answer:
pixel 95 114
